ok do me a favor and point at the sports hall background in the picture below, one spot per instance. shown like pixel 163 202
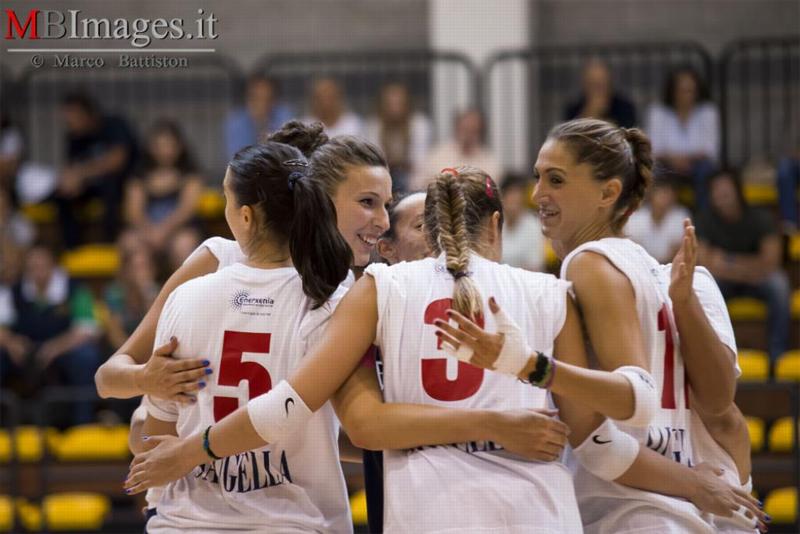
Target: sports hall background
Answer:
pixel 520 63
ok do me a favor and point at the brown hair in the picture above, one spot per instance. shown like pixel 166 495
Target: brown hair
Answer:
pixel 611 151
pixel 328 157
pixel 458 202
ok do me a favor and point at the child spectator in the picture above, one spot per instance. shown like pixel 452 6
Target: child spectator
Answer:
pixel 162 198
pixel 658 225
pixel 404 135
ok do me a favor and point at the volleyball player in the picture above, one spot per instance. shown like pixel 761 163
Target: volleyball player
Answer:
pixel 591 177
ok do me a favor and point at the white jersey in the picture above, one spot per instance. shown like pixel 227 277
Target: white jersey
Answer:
pixel 704 447
pixel 607 507
pixel 468 487
pixel 254 325
pixel 227 251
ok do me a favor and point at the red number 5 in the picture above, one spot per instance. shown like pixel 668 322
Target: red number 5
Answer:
pixel 233 370
pixel 434 370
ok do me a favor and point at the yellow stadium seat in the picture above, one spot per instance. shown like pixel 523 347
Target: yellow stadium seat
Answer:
pixel 747 309
pixel 781 504
pixel 92 442
pixel 211 204
pixel 28 444
pixel 796 304
pixel 781 435
pixel 794 246
pixel 788 366
pixel 5 446
pixel 30 515
pixel 755 428
pixel 761 194
pixel 96 260
pixel 6 513
pixel 550 258
pixel 358 507
pixel 754 364
pixel 44 213
pixel 75 511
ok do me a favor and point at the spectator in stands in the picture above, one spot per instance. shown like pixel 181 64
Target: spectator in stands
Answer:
pixel 50 326
pixel 184 243
pixel 404 135
pixel 262 113
pixel 788 183
pixel 16 234
pixel 658 225
pixel 163 195
pixel 599 100
pixel 100 151
pixel 743 250
pixel 685 131
pixel 328 107
pixel 467 148
pixel 129 297
pixel 523 242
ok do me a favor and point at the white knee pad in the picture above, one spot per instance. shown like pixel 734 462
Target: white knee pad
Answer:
pixel 278 413
pixel 645 395
pixel 608 451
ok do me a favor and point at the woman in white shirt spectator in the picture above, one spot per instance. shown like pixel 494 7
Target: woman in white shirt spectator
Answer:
pixel 685 130
pixel 523 242
pixel 658 225
pixel 403 134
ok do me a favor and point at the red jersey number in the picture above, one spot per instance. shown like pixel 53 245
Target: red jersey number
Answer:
pixel 233 370
pixel 434 370
pixel 668 387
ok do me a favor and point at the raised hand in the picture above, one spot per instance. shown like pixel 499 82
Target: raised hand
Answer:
pixel 505 351
pixel 682 275
pixel 165 377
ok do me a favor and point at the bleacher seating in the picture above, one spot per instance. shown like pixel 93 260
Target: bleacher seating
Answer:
pixel 754 365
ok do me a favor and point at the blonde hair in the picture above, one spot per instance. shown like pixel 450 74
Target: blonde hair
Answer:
pixel 457 203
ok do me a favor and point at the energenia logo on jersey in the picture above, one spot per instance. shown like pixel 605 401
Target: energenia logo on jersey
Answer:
pixel 72 24
pixel 240 299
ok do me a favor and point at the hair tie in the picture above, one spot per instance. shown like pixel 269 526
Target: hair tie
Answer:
pixel 449 170
pixel 489 192
pixel 628 212
pixel 293 177
pixel 458 274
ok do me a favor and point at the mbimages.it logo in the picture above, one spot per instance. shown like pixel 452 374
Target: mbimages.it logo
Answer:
pixel 72 24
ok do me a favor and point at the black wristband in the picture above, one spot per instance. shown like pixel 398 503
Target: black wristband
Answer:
pixel 541 373
pixel 207 446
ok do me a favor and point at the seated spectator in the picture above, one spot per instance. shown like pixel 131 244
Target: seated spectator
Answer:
pixel 163 195
pixel 523 242
pixel 186 240
pixel 403 134
pixel 466 148
pixel 50 326
pixel 100 153
pixel 743 250
pixel 788 183
pixel 16 234
pixel 599 100
pixel 685 132
pixel 129 297
pixel 262 113
pixel 658 225
pixel 328 107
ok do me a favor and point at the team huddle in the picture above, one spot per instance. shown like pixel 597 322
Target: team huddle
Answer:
pixel 503 400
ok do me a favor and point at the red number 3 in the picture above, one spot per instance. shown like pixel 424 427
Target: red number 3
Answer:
pixel 434 370
pixel 233 370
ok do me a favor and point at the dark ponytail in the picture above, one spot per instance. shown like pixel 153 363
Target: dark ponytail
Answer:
pixel 289 207
pixel 319 252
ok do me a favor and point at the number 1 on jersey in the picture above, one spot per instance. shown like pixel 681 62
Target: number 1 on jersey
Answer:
pixel 668 387
pixel 233 370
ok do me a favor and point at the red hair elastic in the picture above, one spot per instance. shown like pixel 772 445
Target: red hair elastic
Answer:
pixel 449 170
pixel 489 192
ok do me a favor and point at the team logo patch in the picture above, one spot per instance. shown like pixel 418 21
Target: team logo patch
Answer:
pixel 242 299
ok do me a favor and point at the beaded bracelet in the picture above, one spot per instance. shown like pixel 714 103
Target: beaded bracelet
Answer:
pixel 207 447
